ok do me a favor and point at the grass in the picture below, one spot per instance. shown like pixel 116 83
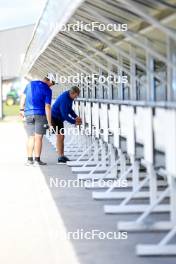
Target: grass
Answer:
pixel 10 110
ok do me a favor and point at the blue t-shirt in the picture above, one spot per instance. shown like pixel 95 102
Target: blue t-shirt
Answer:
pixel 37 94
pixel 62 108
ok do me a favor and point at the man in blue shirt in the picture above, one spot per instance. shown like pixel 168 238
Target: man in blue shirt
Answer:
pixel 62 111
pixel 35 106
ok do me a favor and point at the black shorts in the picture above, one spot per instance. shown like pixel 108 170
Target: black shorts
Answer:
pixel 36 124
pixel 58 125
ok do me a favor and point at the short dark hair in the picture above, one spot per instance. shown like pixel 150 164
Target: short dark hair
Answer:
pixel 48 80
pixel 75 89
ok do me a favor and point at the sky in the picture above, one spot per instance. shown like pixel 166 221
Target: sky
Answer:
pixel 15 13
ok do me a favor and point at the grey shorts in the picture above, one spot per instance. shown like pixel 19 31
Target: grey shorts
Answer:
pixel 36 124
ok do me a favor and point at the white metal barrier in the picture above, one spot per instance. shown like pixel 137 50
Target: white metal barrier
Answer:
pixel 121 139
pixel 165 139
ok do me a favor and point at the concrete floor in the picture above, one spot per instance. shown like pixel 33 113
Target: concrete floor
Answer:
pixel 79 211
pixel 35 216
pixel 29 221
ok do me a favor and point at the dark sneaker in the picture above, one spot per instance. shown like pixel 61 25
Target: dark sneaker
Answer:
pixel 61 160
pixel 39 163
pixel 66 159
pixel 29 162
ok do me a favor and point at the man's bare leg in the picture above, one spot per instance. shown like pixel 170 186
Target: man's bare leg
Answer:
pixel 60 145
pixel 38 150
pixel 38 145
pixel 30 146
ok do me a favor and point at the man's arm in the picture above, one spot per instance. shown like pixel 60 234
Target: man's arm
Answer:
pixel 48 113
pixel 65 111
pixel 73 114
pixel 22 104
pixel 48 99
pixel 78 120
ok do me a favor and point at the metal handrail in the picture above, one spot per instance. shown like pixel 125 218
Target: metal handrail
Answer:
pixel 161 104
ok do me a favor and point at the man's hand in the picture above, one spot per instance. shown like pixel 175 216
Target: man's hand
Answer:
pixel 78 121
pixel 50 129
pixel 21 114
